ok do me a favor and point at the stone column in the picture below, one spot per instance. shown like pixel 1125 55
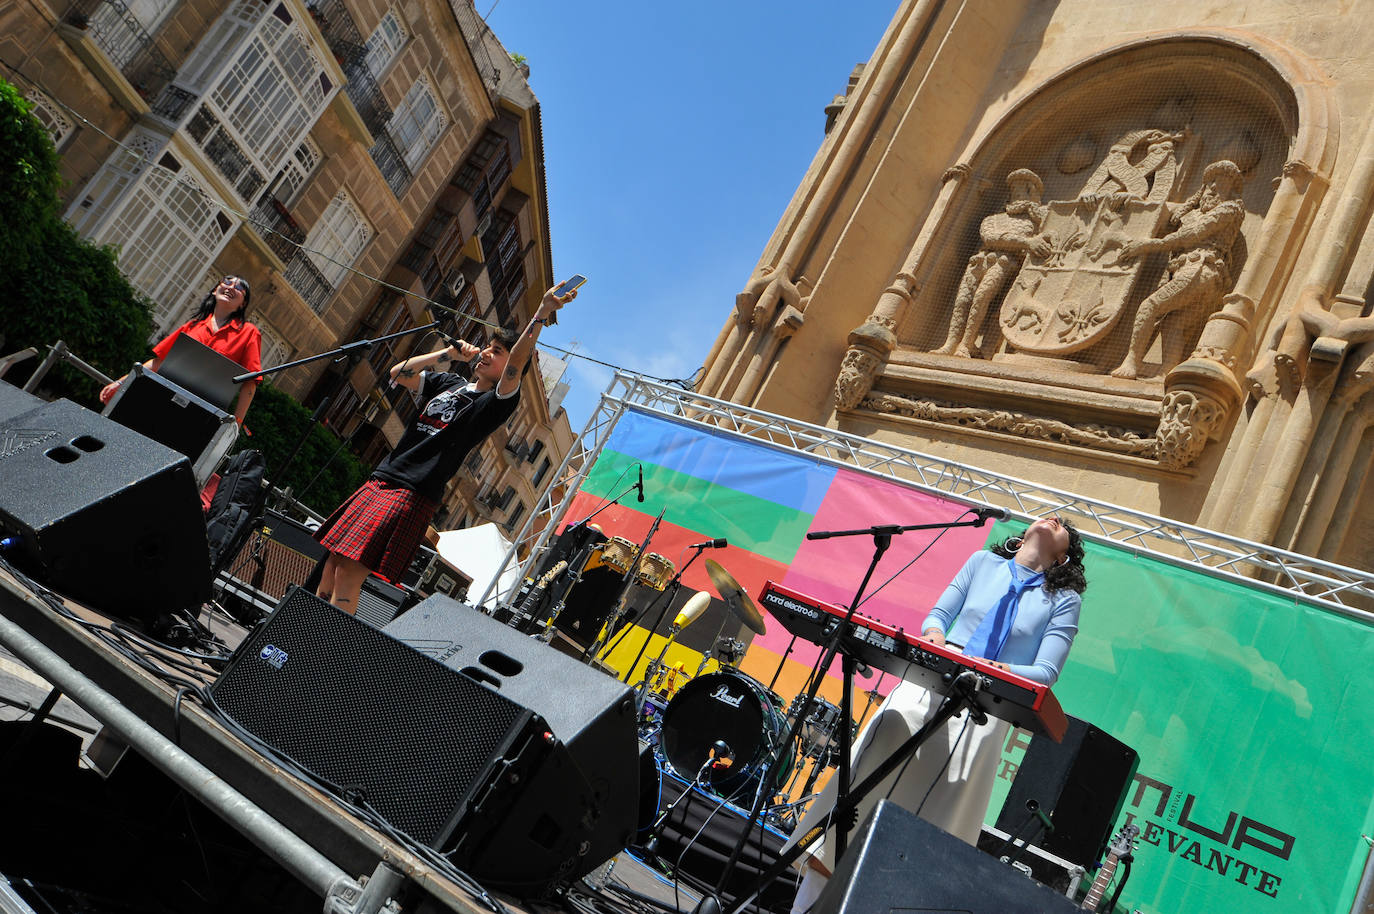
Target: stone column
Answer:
pixel 872 342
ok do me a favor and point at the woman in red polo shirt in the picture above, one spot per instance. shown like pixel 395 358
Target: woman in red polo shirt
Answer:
pixel 219 323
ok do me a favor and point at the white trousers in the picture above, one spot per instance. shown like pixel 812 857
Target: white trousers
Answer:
pixel 949 779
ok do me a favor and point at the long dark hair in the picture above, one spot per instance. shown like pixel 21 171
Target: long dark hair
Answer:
pixel 207 304
pixel 1069 575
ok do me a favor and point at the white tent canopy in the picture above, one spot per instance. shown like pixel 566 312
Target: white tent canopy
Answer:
pixel 477 552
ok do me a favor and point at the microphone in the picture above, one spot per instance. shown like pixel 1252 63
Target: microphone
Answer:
pixel 990 512
pixel 641 482
pixel 717 543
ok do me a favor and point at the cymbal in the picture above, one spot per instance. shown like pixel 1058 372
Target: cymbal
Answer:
pixel 734 596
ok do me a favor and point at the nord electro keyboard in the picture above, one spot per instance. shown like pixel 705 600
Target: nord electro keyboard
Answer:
pixel 1016 699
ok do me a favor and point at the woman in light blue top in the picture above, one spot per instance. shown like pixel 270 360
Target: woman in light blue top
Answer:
pixel 1014 605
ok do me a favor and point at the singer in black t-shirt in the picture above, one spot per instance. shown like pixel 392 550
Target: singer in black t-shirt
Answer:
pixel 378 527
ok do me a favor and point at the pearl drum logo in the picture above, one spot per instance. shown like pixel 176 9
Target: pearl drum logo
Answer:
pixel 722 694
pixel 275 656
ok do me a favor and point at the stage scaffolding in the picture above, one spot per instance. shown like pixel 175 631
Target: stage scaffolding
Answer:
pixel 1348 591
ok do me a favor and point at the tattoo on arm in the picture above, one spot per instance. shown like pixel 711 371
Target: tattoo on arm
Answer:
pixel 407 372
pixel 444 358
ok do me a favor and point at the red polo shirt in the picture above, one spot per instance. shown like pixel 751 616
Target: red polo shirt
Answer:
pixel 238 339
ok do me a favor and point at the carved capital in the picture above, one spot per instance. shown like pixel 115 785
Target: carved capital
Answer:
pixel 789 322
pixel 956 173
pixel 1299 172
pixel 1186 424
pixel 903 287
pixel 855 380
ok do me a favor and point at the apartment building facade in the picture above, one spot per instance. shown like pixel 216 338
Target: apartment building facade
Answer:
pixel 368 167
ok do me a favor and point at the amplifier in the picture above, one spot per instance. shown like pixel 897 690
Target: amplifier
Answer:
pixel 279 553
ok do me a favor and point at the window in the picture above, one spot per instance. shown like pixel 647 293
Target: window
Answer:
pixel 417 123
pixel 331 247
pixel 543 471
pixel 53 119
pixel 516 513
pixel 256 112
pixel 275 351
pixel 167 228
pixel 294 173
pixel 385 43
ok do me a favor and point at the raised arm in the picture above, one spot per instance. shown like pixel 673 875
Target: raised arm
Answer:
pixel 407 373
pixel 520 352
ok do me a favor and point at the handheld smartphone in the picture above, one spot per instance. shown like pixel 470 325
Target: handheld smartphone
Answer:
pixel 572 282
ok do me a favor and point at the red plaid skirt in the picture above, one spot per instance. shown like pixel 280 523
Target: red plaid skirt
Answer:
pixel 379 525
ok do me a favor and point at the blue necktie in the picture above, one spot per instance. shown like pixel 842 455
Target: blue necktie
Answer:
pixel 991 634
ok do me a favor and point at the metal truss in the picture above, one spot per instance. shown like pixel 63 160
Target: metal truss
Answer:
pixel 1349 591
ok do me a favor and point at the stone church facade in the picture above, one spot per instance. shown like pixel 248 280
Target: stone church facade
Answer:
pixel 1118 248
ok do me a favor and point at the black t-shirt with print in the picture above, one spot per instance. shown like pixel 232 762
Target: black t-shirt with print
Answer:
pixel 455 418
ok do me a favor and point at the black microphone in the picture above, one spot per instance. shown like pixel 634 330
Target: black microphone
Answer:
pixel 717 543
pixel 990 512
pixel 641 482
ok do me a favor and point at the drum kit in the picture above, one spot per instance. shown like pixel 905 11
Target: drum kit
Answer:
pixel 691 721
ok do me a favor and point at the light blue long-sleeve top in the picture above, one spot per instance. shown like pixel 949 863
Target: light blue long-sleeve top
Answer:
pixel 1043 629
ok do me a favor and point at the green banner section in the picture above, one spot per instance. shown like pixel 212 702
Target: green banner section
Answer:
pixel 764 527
pixel 1252 715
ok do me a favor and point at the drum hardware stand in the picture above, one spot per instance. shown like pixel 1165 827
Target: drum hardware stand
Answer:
pixel 845 802
pixel 962 696
pixel 694 607
pixel 670 591
pixel 783 661
pixel 593 653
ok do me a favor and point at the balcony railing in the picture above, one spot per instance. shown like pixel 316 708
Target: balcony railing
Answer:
pixel 116 31
pixel 173 103
pixel 344 39
pixel 308 281
pixel 393 166
pixel 273 221
pixel 226 154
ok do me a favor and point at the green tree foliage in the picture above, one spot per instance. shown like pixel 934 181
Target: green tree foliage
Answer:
pixel 322 474
pixel 54 284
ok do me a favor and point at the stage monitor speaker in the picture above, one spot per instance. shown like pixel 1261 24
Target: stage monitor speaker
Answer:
pixel 1080 783
pixel 102 513
pixel 898 862
pixel 443 756
pixel 16 400
pixel 590 713
pixel 168 413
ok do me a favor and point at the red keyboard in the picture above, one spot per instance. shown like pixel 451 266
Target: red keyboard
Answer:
pixel 1016 699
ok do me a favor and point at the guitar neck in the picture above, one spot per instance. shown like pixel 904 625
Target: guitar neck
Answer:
pixel 1100 883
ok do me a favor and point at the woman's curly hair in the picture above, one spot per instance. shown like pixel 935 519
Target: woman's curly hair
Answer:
pixel 1069 575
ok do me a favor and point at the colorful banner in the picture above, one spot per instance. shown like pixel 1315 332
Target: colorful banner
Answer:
pixel 1250 711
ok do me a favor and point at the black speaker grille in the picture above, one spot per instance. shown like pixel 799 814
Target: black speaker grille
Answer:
pixel 421 743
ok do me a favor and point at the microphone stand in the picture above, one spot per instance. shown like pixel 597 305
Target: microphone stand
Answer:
pixel 353 352
pixel 882 538
pixel 576 565
pixel 593 653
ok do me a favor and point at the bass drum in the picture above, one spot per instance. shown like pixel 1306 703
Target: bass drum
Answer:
pixel 732 707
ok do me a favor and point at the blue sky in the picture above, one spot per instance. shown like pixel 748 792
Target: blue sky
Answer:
pixel 674 136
